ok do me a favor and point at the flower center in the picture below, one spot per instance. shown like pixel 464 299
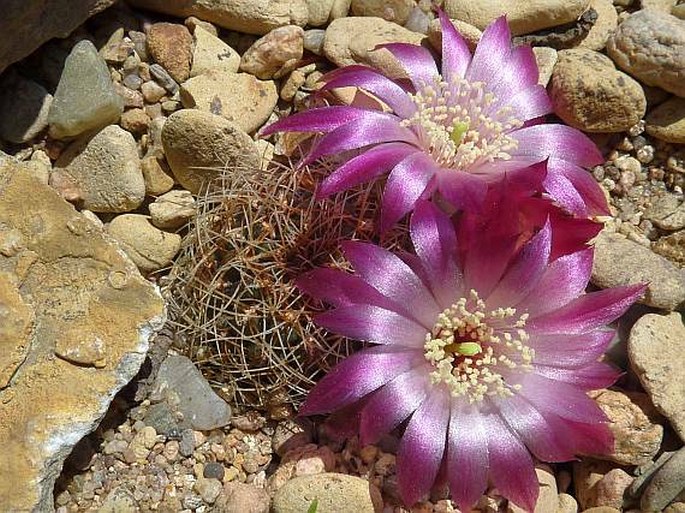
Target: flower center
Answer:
pixel 473 349
pixel 456 124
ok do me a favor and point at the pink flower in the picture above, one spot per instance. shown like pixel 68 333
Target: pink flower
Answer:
pixel 452 130
pixel 484 353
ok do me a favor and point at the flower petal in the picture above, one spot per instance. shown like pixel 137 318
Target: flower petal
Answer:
pixel 393 403
pixel 416 61
pixel 529 103
pixel 388 274
pixel 519 73
pixel 570 351
pixel 556 142
pixel 374 82
pixel 322 119
pixel 365 167
pixel 373 324
pixel 358 375
pixel 467 457
pixel 465 191
pixel 585 184
pixel 406 183
pixel 595 376
pixel 456 56
pixel 511 468
pixel 492 53
pixel 565 194
pixel 422 447
pixel 588 312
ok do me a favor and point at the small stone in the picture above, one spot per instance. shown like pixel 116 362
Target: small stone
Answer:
pixel 24 107
pixel 172 210
pixel 238 97
pixel 150 249
pixel 290 435
pixel 313 41
pixel 567 504
pixel 607 21
pixel 163 78
pixel 135 121
pixel 602 509
pixel 102 173
pixel 319 12
pixel 610 490
pixel 157 181
pixel 587 92
pixel 199 145
pixel 116 50
pixel 152 91
pixel 545 58
pixel 214 470
pixel 187 443
pixel 242 498
pixel 292 84
pixel 656 347
pixel 548 497
pixel 132 81
pixel 85 98
pixel 650 45
pixel 193 23
pixel 666 484
pixel 396 11
pixel 636 438
pixel 115 447
pixel 209 489
pixel 619 261
pixel 170 45
pixel 667 121
pixel 119 500
pixel 278 48
pixel 129 97
pixel 667 212
pixel 672 247
pixel 211 53
pixel 586 474
pixel 419 20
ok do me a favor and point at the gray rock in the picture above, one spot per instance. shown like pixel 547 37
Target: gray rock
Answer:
pixel 334 492
pixel 187 443
pixel 119 500
pixel 102 173
pixel 201 407
pixel 668 482
pixel 24 107
pixel 150 248
pixel 656 349
pixel 313 40
pixel 667 212
pixel 172 210
pixel 199 145
pixel 163 78
pixel 650 45
pixel 85 98
pixel 160 417
pixel 620 261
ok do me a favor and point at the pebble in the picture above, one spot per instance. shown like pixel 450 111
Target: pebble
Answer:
pixel 312 41
pixel 163 78
pixel 666 484
pixel 548 496
pixel 602 509
pixel 667 212
pixel 637 438
pixel 209 489
pixel 667 121
pixel 150 249
pixel 187 444
pixel 119 500
pixel 282 47
pixel 656 347
pixel 211 53
pixel 319 12
pixel 199 145
pixel 672 247
pixel 157 181
pixel 135 121
pixel 611 489
pixel 132 81
pixel 291 434
pixel 650 46
pixel 129 97
pixel 116 50
pixel 170 45
pixel 242 498
pixel 172 210
pixel 214 470
pixel 396 11
pixel 24 107
pixel 607 21
pixel 85 98
pixel 238 97
pixel 587 92
pixel 523 16
pixel 619 261
pixel 102 173
pixel 567 504
pixel 546 58
pixel 334 492
pixel 152 91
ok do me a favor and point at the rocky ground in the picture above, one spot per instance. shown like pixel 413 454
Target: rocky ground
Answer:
pixel 126 116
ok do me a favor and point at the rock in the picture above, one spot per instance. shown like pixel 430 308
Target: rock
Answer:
pixel 546 58
pixel 202 409
pixel 656 347
pixel 650 45
pixel 211 53
pixel 313 41
pixel 250 16
pixel 548 497
pixel 587 92
pixel 676 507
pixel 102 173
pixel 213 470
pixel 135 121
pixel 396 11
pixel 24 107
pixel 666 485
pixel 170 45
pixel 636 438
pixel 607 21
pixel 289 435
pixel 620 261
pixel 119 500
pixel 567 504
pixel 157 181
pixel 29 25
pixel 334 492
pixel 163 78
pixel 586 474
pixel 610 490
pixel 280 47
pixel 152 92
pixel 241 498
pixel 319 12
pixel 470 34
pixel 150 249
pixel 209 489
pixel 523 16
pixel 349 40
pixel 85 98
pixel 129 97
pixel 238 97
pixel 660 5
pixel 172 210
pixel 667 212
pixel 200 145
pixel 161 418
pixel 602 509
pixel 64 284
pixel 667 121
pixel 672 247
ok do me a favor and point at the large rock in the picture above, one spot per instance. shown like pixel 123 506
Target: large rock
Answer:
pixel 211 53
pixel 667 121
pixel 604 27
pixel 251 16
pixel 650 45
pixel 666 484
pixel 523 16
pixel 199 146
pixel 656 349
pixel 85 98
pixel 587 92
pixel 170 45
pixel 27 25
pixel 76 320
pixel 396 11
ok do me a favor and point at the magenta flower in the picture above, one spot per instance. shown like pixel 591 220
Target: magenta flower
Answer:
pixel 453 130
pixel 484 354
